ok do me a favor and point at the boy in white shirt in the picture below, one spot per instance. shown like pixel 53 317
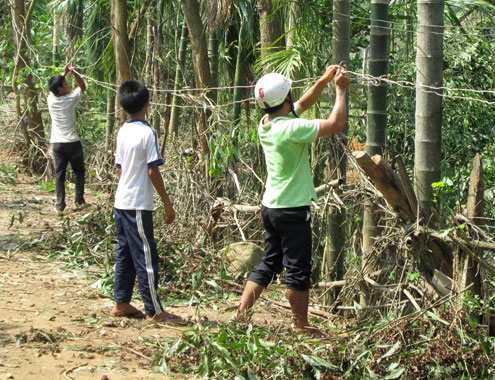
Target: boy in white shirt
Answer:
pixel 65 141
pixel 137 159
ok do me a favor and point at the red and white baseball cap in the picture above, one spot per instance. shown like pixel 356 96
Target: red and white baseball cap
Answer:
pixel 271 90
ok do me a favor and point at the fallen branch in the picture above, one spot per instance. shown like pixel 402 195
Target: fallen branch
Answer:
pixel 327 186
pixel 233 207
pixel 411 298
pixel 468 247
pixel 137 353
pixel 316 312
pixel 66 372
pixel 369 307
pixel 332 284
pixel 443 300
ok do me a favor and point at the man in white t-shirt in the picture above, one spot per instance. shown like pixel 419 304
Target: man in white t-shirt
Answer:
pixel 65 141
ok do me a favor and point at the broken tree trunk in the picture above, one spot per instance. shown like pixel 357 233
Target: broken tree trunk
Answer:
pixel 475 209
pixel 475 194
pixel 387 182
pixel 437 254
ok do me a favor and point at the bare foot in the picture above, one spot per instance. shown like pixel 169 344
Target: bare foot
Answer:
pixel 309 330
pixel 166 318
pixel 127 310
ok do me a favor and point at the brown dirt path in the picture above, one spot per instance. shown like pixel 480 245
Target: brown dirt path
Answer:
pixel 53 324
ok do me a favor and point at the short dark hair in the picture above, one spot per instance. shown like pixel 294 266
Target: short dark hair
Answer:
pixel 133 96
pixel 55 82
pixel 274 109
pixel 278 107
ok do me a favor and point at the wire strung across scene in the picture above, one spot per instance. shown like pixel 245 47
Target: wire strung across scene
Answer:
pixel 200 98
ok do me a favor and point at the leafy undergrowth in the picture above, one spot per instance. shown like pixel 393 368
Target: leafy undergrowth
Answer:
pixel 441 342
pixel 434 345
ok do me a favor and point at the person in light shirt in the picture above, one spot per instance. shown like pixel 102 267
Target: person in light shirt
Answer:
pixel 65 141
pixel 289 190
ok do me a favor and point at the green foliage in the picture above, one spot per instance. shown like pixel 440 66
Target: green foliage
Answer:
pixel 433 345
pixel 8 174
pixel 422 347
pixel 249 352
pixel 222 152
pixel 48 186
pixel 13 218
pixel 84 240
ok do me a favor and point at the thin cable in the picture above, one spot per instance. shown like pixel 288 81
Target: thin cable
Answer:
pixel 375 81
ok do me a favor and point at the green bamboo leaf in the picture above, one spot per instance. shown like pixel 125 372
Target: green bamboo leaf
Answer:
pixel 226 354
pixel 214 285
pixel 251 375
pixel 437 318
pixel 317 361
pixel 390 352
pixel 372 374
pixel 396 373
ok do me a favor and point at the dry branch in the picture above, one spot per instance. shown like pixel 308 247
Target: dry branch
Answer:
pixel 387 182
pixel 468 247
pixel 407 185
pixel 411 298
pixel 393 189
pixel 475 194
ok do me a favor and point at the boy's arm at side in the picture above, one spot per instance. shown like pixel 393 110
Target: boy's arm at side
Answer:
pixel 119 172
pixel 157 181
pixel 311 96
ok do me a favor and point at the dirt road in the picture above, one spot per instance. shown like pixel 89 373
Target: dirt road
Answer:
pixel 53 324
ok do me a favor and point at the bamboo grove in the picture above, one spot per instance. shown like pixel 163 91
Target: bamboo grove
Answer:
pixel 407 191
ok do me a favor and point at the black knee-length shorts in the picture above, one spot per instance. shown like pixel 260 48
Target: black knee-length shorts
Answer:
pixel 287 245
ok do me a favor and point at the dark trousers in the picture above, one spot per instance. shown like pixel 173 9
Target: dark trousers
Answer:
pixel 136 256
pixel 287 245
pixel 63 153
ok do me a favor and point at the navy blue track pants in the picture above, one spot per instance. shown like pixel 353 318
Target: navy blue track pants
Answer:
pixel 136 256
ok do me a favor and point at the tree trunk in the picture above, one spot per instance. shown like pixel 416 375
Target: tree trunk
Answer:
pixel 201 68
pixel 74 19
pixel 213 55
pixel 150 45
pixel 333 263
pixel 120 47
pixel 157 68
pixel 428 136
pixel 432 253
pixel 377 126
pixel 271 28
pixel 294 18
pixel 475 212
pixel 30 118
pixel 239 71
pixel 181 59
pixel 56 39
pixel 475 203
pixel 110 120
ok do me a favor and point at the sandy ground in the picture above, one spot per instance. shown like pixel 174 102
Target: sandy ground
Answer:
pixel 53 323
